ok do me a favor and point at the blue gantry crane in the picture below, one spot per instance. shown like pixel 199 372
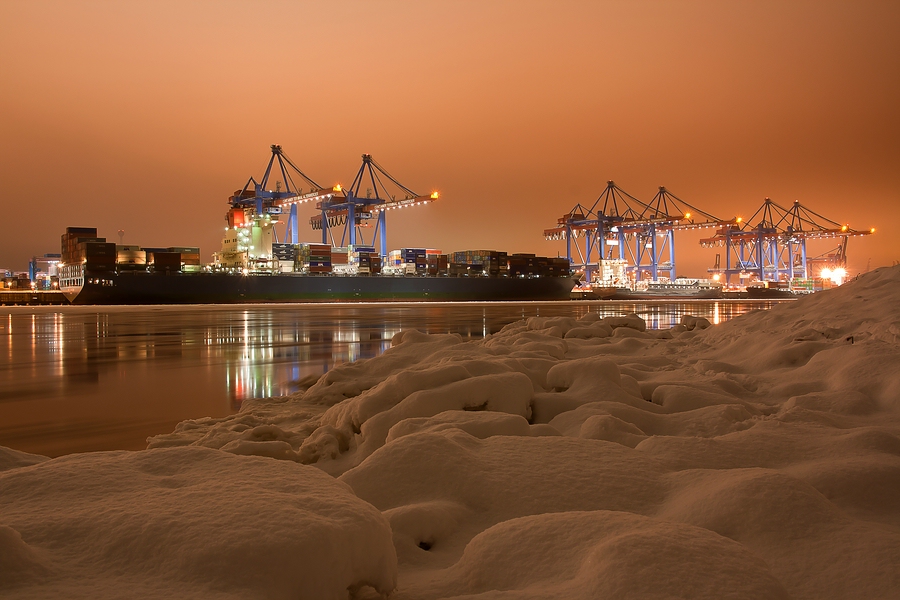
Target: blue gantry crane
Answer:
pixel 665 214
pixel 351 209
pixel 255 195
pixel 598 233
pixel 255 208
pixel 619 227
pixel 771 245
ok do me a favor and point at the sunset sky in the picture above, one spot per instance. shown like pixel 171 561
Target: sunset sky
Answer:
pixel 146 116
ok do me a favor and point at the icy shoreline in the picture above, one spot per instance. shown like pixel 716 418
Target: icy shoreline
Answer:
pixel 555 459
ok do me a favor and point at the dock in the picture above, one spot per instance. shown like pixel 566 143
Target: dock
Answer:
pixel 31 297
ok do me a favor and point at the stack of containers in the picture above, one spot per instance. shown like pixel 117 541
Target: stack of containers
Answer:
pixel 436 263
pixel 556 267
pixel 284 255
pixel 361 258
pixel 529 265
pixel 150 253
pixel 415 257
pixel 499 266
pixel 393 259
pixel 97 256
pixel 315 258
pixel 479 262
pixel 523 265
pixel 190 257
pixel 163 260
pixel 73 254
pixel 284 251
pixel 355 250
pixel 411 261
pixel 130 258
pixel 70 240
pixel 340 261
pixel 340 256
pixel 368 262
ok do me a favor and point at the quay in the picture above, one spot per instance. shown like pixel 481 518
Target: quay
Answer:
pixel 31 297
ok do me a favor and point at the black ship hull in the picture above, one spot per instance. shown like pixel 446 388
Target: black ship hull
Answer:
pixel 619 293
pixel 222 288
pixel 769 293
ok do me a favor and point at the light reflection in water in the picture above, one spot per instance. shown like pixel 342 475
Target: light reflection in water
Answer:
pixel 84 378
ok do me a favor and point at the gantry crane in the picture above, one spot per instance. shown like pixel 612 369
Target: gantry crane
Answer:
pixel 254 210
pixel 347 208
pixel 255 195
pixel 620 228
pixel 602 229
pixel 665 214
pixel 771 245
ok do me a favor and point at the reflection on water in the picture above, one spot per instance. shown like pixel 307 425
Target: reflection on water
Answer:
pixel 89 378
pixel 270 352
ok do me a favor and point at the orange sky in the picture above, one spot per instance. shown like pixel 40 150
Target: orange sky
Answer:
pixel 145 116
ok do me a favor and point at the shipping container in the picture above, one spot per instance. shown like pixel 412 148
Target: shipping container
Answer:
pixel 81 231
pixel 130 257
pixel 70 241
pixel 166 261
pixel 151 251
pixel 97 249
pixel 104 261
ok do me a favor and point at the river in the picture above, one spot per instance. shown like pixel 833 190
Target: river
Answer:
pixel 79 379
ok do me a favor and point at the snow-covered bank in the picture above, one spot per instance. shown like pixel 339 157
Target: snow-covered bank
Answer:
pixel 556 459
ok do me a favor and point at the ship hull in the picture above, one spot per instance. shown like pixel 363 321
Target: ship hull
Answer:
pixel 620 293
pixel 221 288
pixel 767 293
pixel 672 295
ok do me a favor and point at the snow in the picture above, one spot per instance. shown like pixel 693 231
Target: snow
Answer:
pixel 558 458
pixel 193 522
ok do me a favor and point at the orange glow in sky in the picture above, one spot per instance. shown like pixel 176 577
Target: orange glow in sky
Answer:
pixel 146 116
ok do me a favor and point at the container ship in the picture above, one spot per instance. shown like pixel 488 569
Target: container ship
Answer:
pixel 611 282
pixel 678 289
pixel 251 268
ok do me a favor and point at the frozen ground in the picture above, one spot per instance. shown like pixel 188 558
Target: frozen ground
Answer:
pixel 556 459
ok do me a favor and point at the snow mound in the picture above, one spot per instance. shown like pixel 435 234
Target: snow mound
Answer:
pixel 12 459
pixel 186 522
pixel 602 554
pixel 576 458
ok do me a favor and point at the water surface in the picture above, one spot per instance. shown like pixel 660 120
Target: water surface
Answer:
pixel 100 378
